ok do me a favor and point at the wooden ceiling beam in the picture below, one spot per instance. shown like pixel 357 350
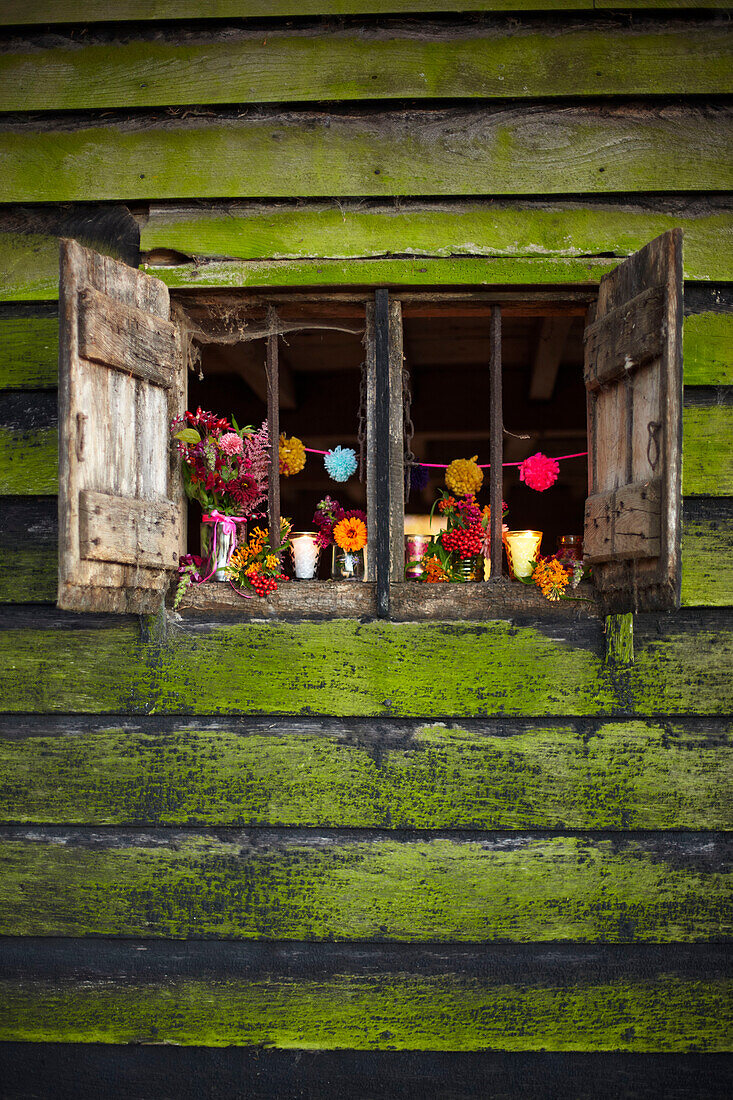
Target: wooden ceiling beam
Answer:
pixel 548 356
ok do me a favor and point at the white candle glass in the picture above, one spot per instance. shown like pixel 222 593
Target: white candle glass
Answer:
pixel 522 548
pixel 305 552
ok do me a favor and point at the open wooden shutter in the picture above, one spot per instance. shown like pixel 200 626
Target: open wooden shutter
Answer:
pixel 633 375
pixel 121 380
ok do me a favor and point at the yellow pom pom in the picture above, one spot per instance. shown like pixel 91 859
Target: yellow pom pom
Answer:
pixel 292 455
pixel 464 477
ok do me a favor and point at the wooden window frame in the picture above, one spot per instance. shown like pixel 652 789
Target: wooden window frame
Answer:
pixel 386 594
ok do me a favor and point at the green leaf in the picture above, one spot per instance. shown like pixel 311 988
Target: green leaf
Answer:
pixel 188 435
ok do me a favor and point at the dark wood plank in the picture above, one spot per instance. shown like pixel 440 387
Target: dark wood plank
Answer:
pixel 382 416
pixel 496 445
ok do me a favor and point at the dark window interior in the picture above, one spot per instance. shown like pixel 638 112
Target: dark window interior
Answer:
pixel 446 353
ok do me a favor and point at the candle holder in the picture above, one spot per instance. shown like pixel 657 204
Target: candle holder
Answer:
pixel 415 547
pixel 522 548
pixel 305 552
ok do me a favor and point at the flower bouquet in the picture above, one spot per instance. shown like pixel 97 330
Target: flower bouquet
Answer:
pixel 457 553
pixel 225 469
pixel 255 566
pixel 346 531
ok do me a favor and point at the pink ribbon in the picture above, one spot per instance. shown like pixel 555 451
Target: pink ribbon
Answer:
pixel 228 526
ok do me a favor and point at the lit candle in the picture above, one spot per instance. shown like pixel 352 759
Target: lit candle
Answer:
pixel 522 548
pixel 305 551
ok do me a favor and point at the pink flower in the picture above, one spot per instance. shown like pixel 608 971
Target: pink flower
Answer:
pixel 539 472
pixel 231 444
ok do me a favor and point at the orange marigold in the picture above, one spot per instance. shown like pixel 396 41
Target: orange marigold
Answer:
pixel 434 571
pixel 551 578
pixel 350 534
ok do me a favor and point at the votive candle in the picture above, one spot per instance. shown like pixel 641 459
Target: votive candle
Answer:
pixel 522 548
pixel 305 551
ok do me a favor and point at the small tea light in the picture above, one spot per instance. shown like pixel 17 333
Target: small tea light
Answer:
pixel 415 547
pixel 305 552
pixel 522 548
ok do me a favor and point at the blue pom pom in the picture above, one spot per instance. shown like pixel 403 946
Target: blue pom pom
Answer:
pixel 340 463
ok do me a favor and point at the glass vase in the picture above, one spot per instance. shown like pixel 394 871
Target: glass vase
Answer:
pixel 522 548
pixel 216 557
pixel 470 569
pixel 347 565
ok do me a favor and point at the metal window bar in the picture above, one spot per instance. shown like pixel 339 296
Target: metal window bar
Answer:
pixel 273 425
pixel 380 524
pixel 496 455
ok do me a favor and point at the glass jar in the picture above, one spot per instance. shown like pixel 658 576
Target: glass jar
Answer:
pixel 347 565
pixel 415 547
pixel 470 569
pixel 304 551
pixel 570 549
pixel 522 548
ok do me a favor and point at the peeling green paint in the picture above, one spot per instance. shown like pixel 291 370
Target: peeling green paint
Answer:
pixel 707 452
pixel 707 348
pixel 621 775
pixel 352 668
pixel 29 347
pixel 28 461
pixel 526 150
pixel 707 563
pixel 440 890
pixel 390 1012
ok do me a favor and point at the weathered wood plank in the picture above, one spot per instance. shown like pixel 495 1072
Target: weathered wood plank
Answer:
pixel 146 1071
pixel 707 450
pixel 527 150
pixel 707 349
pixel 707 552
pixel 67 663
pixel 240 66
pixel 455 775
pixel 518 229
pixel 29 352
pixel 309 886
pixel 367 997
pixel 28 549
pixel 67 11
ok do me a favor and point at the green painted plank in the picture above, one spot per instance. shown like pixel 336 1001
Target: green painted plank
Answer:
pixel 502 229
pixel 29 266
pixel 707 557
pixel 28 461
pixel 30 574
pixel 376 272
pixel 244 886
pixel 707 452
pixel 67 11
pixel 29 352
pixel 390 1011
pixel 617 775
pixel 485 151
pixel 243 67
pixel 426 670
pixel 707 348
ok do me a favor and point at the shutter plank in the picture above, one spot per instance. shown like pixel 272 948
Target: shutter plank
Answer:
pixel 126 338
pixel 122 529
pixel 625 338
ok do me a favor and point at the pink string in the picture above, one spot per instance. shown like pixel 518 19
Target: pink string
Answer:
pixel 487 465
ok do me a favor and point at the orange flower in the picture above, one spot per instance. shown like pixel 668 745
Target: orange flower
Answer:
pixel 434 572
pixel 350 534
pixel 446 503
pixel 551 578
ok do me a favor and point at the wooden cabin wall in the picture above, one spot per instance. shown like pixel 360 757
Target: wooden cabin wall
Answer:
pixel 363 858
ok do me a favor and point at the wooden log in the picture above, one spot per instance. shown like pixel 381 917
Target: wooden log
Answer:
pixel 369 996
pixel 241 66
pixel 473 774
pixel 514 150
pixel 70 663
pixel 309 886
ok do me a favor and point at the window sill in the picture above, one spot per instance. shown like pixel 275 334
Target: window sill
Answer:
pixel 409 602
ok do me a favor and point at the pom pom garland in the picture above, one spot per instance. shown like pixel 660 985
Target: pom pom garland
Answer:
pixel 464 477
pixel 340 463
pixel 539 472
pixel 292 455
pixel 419 478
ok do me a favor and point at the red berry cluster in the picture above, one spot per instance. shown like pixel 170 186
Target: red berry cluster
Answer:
pixel 464 541
pixel 264 586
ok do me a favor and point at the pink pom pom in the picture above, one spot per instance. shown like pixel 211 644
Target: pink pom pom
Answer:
pixel 539 472
pixel 231 444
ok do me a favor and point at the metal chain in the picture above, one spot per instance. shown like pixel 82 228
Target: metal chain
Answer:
pixel 408 429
